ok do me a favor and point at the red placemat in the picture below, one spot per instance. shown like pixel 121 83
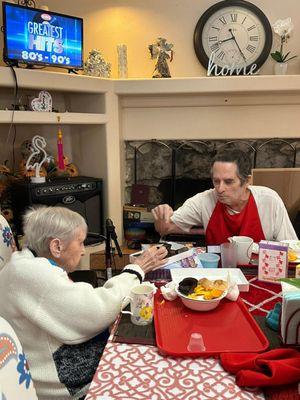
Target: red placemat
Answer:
pixel 228 328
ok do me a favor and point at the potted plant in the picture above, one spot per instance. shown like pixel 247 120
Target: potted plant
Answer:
pixel 283 29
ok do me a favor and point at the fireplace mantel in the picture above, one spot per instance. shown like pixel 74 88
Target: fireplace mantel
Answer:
pixel 209 107
pixel 253 85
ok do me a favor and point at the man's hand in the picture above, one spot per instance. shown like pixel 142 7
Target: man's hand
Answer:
pixel 162 219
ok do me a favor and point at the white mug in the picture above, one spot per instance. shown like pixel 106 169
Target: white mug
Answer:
pixel 244 246
pixel 141 304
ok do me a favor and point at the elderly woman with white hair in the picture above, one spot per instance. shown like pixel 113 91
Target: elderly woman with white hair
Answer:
pixel 62 325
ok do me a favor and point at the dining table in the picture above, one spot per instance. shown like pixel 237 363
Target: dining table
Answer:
pixel 132 367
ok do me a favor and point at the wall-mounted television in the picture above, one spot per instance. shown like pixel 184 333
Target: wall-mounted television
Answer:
pixel 39 37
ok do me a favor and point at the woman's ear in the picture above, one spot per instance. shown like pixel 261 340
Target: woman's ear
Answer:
pixel 55 248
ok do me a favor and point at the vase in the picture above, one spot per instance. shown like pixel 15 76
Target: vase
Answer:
pixel 122 61
pixel 280 68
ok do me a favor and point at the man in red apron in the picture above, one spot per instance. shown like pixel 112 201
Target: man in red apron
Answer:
pixel 232 208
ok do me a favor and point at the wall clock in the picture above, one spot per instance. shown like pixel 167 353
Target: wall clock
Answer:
pixel 237 33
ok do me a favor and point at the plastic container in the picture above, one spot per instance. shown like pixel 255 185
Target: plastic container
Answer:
pixel 209 260
pixel 196 343
pixel 229 255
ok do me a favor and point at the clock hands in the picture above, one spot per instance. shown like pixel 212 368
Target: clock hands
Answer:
pixel 225 40
pixel 233 37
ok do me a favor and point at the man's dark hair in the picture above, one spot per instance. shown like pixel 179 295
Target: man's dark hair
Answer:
pixel 241 159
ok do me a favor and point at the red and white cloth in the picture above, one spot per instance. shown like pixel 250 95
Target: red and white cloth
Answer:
pixel 262 296
pixel 138 372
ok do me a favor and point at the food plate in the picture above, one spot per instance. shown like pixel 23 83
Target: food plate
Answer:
pixel 236 275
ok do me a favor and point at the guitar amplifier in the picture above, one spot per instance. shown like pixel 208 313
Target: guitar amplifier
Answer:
pixel 81 194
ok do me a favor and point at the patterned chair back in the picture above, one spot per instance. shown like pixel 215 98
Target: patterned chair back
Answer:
pixel 15 379
pixel 7 243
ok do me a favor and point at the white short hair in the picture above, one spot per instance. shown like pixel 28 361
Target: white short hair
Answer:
pixel 42 224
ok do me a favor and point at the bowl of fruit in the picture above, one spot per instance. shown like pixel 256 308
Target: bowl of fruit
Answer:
pixel 202 294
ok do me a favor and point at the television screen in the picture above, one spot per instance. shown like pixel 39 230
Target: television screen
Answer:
pixel 34 36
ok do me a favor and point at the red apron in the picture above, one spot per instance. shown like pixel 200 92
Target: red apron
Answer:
pixel 223 225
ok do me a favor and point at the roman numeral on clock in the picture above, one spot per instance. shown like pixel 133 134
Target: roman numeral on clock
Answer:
pixel 214 47
pixel 221 55
pixel 254 38
pixel 233 17
pixel 251 48
pixel 223 20
pixel 251 27
pixel 212 38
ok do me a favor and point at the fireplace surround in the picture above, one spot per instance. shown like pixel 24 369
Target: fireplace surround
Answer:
pixel 174 170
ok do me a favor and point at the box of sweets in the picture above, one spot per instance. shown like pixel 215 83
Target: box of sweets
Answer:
pixel 272 261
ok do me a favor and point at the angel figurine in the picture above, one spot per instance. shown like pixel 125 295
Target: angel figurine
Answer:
pixel 162 52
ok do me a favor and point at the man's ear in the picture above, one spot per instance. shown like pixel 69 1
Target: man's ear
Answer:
pixel 55 247
pixel 250 180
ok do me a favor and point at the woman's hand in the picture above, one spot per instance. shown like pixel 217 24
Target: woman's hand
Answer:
pixel 152 258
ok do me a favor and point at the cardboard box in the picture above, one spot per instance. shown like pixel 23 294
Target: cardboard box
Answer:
pixel 272 261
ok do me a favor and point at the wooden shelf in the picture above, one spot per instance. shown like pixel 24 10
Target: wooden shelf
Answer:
pixel 34 117
pixel 60 81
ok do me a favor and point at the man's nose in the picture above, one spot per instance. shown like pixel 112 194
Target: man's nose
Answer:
pixel 221 187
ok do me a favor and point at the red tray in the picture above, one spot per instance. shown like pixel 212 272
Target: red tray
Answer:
pixel 228 328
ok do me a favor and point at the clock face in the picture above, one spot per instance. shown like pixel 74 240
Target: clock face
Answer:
pixel 236 32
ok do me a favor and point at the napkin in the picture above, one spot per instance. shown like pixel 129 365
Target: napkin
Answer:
pixel 274 367
pixel 233 290
pixel 168 291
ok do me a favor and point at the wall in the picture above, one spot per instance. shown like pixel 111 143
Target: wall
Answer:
pixel 138 23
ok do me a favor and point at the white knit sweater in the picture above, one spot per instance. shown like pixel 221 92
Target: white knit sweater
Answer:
pixel 58 321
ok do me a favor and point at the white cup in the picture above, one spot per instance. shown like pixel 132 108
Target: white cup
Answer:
pixel 244 246
pixel 141 304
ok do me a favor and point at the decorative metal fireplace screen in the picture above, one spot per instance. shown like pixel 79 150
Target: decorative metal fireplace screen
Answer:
pixel 174 170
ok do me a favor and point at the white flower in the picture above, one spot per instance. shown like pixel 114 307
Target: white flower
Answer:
pixel 283 27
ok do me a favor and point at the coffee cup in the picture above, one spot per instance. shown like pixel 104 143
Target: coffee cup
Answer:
pixel 141 299
pixel 244 246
